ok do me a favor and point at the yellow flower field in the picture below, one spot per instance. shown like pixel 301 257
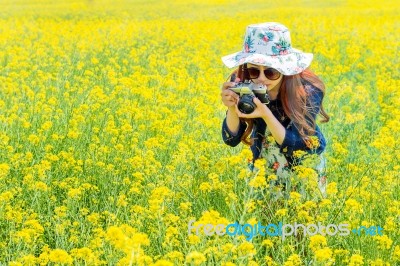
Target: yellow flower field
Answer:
pixel 110 140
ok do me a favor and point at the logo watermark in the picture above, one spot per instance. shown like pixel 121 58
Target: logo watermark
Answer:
pixel 368 231
pixel 280 229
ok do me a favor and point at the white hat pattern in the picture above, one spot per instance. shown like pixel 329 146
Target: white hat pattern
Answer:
pixel 269 44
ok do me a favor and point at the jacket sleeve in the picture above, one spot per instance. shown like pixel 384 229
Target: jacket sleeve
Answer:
pixel 293 140
pixel 230 138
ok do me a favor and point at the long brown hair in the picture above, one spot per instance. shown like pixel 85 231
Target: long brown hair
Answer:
pixel 293 97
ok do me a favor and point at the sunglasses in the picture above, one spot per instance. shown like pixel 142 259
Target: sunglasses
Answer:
pixel 270 73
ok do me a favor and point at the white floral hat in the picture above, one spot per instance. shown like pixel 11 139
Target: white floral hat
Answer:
pixel 268 44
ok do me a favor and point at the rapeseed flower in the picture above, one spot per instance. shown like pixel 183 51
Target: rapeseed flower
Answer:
pixel 195 258
pixel 396 253
pixel 324 256
pixel 293 260
pixel 317 242
pixel 246 249
pixel 60 256
pixel 384 242
pixel 111 142
pixel 356 260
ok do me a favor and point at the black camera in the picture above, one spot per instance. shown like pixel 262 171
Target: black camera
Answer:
pixel 247 91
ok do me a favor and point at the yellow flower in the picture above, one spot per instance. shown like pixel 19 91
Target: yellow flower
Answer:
pixel 175 256
pixel 396 253
pixel 299 153
pixel 28 260
pixel 228 264
pixel 195 258
pixel 33 139
pixel 246 249
pixel 74 193
pixel 205 186
pixel 339 149
pixel 353 206
pixel 304 216
pixel 258 181
pixel 73 134
pixel 325 203
pixel 193 239
pixel 31 230
pixel 47 125
pixel 163 263
pixel 252 263
pixel 268 243
pixel 356 260
pixel 293 260
pixel 269 261
pixel 378 262
pixel 126 239
pixel 185 206
pixel 341 252
pixel 317 242
pixel 312 142
pixel 272 177
pixel 93 218
pixel 390 224
pixel 331 188
pixel 60 256
pixel 94 61
pixel 324 255
pixel 6 196
pixel 250 206
pixel 15 263
pixel 90 100
pixel 122 202
pixel 4 170
pixel 295 196
pixel 384 242
pixel 83 254
pixel 281 212
pixel 211 217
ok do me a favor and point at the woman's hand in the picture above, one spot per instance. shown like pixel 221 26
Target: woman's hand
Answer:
pixel 229 98
pixel 261 111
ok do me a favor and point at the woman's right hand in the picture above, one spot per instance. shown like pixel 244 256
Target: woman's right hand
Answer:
pixel 229 98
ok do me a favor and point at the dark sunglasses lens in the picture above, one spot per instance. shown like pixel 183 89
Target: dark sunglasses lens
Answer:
pixel 272 74
pixel 254 72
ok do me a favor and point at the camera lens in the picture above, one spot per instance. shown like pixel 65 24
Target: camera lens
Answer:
pixel 263 97
pixel 246 104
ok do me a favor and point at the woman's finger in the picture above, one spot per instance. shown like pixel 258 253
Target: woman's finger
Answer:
pixel 226 92
pixel 227 85
pixel 257 101
pixel 229 94
pixel 233 94
pixel 240 114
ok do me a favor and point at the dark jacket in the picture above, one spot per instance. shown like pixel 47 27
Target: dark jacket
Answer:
pixel 293 140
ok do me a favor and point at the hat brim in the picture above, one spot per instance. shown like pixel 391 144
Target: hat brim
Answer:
pixel 288 64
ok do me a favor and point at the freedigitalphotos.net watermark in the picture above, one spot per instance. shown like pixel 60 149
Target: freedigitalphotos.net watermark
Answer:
pixel 280 229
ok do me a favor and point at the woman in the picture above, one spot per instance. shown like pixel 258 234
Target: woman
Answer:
pixel 286 127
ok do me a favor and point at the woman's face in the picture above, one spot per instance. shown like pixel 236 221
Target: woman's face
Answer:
pixel 273 83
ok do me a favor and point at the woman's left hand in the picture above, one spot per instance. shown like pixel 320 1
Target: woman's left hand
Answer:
pixel 260 111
